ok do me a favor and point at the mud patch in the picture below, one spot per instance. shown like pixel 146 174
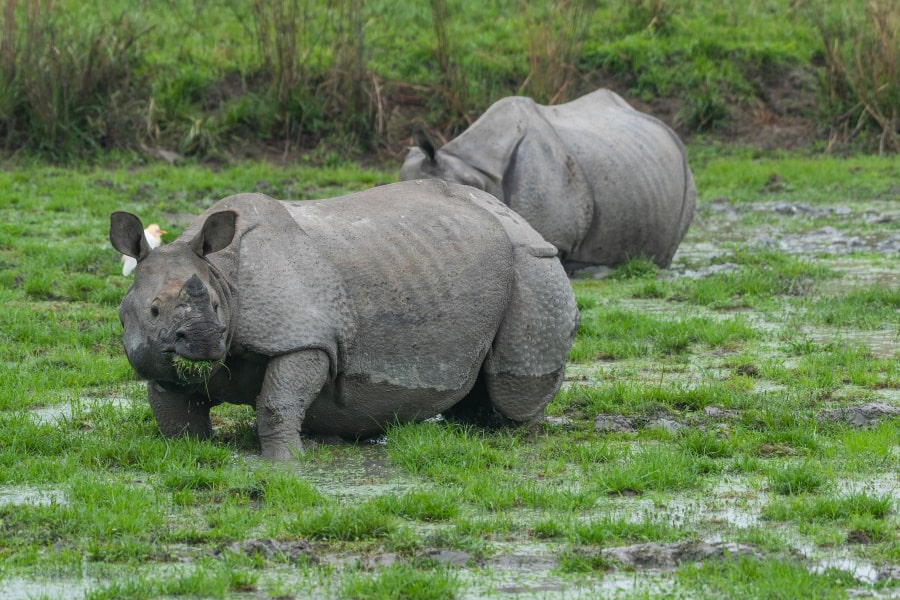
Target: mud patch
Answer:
pixel 654 555
pixel 723 221
pixel 294 552
pixel 865 415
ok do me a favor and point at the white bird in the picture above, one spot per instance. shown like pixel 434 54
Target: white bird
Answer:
pixel 154 238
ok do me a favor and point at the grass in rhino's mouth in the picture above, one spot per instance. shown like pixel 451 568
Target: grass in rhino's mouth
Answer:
pixel 186 368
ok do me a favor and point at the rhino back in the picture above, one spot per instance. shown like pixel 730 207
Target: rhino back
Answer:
pixel 428 275
pixel 637 168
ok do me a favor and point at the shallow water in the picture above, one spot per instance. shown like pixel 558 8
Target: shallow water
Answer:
pixel 63 412
pixel 525 568
pixel 363 471
pixel 18 588
pixel 30 496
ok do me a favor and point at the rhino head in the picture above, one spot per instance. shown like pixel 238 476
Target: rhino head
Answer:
pixel 426 161
pixel 177 305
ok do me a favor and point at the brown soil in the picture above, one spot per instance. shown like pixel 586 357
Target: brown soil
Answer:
pixel 779 116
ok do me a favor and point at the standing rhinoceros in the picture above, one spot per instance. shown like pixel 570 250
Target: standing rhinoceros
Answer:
pixel 598 179
pixel 348 314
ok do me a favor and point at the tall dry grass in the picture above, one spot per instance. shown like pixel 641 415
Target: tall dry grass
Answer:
pixel 862 74
pixel 554 45
pixel 454 82
pixel 285 36
pixel 66 88
pixel 315 63
pixel 354 89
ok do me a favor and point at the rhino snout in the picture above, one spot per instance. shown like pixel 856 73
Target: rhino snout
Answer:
pixel 201 341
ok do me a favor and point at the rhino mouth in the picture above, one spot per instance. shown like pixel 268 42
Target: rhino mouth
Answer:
pixel 194 370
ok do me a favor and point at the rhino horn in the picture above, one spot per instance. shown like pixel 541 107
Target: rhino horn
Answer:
pixel 200 336
pixel 195 290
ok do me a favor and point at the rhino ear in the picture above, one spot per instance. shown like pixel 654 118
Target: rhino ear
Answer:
pixel 126 234
pixel 424 141
pixel 217 233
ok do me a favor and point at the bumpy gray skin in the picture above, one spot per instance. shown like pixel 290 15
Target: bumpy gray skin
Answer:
pixel 596 178
pixel 345 315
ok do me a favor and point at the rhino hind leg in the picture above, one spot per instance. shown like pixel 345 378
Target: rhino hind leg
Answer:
pixel 478 407
pixel 526 365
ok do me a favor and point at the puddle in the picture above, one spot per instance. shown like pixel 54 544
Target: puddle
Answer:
pixel 874 485
pixel 881 343
pixel 30 496
pixel 860 273
pixel 62 412
pixel 18 588
pixel 862 570
pixel 363 471
pixel 486 583
pixel 528 568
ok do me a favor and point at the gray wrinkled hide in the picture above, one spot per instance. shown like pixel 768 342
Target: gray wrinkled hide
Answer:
pixel 348 314
pixel 598 179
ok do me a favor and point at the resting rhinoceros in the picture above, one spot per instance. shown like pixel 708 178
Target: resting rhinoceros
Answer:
pixel 348 314
pixel 598 179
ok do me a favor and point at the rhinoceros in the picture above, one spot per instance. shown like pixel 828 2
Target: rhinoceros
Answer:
pixel 599 180
pixel 345 315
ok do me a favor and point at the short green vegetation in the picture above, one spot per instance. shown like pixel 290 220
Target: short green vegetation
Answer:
pixel 712 400
pixel 744 400
pixel 188 369
pixel 335 79
pixel 403 583
pixel 770 579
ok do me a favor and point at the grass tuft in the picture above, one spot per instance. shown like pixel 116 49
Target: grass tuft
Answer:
pixel 188 369
pixel 798 479
pixel 402 582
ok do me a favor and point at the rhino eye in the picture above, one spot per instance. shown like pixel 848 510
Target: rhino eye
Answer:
pixel 215 307
pixel 154 311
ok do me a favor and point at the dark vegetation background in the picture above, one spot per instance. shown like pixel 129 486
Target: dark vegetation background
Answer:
pixel 330 80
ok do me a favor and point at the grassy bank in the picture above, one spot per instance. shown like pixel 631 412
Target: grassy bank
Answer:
pixel 738 406
pixel 331 80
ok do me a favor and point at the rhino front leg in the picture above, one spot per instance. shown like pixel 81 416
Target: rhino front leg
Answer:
pixel 291 383
pixel 179 413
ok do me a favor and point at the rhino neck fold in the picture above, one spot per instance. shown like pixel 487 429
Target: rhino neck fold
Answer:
pixel 227 300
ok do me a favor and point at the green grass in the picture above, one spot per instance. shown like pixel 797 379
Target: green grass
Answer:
pixel 864 308
pixel 361 522
pixel 745 376
pixel 740 176
pixel 647 398
pixel 830 508
pixel 186 368
pixel 760 276
pixel 208 580
pixel 224 88
pixel 767 579
pixel 613 333
pixel 403 582
pixel 793 480
pixel 651 468
pixel 577 560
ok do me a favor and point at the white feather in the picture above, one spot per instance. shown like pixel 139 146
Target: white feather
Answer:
pixel 154 239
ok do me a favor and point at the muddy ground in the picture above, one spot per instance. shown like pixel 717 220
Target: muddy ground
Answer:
pixel 862 240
